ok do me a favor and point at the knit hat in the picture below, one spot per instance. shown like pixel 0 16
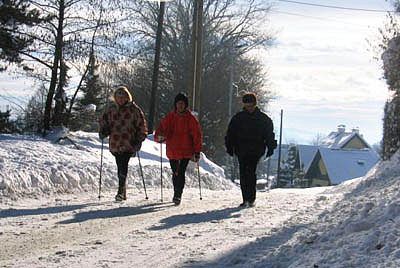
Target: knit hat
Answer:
pixel 122 89
pixel 249 98
pixel 181 97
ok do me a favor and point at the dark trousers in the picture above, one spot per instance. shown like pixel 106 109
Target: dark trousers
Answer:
pixel 122 160
pixel 248 177
pixel 178 175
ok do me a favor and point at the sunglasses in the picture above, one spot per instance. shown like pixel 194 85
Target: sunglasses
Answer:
pixel 120 93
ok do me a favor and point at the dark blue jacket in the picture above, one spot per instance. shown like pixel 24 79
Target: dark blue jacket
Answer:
pixel 249 134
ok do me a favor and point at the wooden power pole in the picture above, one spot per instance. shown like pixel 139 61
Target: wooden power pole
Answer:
pixel 156 67
pixel 197 52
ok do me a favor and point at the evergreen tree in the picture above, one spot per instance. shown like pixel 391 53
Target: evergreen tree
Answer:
pixel 88 106
pixel 391 66
pixel 13 16
pixel 35 110
pixel 288 168
pixel 6 125
pixel 391 127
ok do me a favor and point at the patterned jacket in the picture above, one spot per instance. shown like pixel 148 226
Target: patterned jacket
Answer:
pixel 126 127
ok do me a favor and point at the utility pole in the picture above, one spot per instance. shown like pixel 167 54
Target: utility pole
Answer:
pixel 279 154
pixel 156 66
pixel 197 52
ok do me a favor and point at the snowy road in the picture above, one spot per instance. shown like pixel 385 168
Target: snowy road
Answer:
pixel 80 231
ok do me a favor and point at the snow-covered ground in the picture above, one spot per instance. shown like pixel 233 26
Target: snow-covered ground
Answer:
pixel 32 166
pixel 51 217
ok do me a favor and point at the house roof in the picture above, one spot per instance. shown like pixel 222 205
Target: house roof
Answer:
pixel 338 139
pixel 306 155
pixel 346 164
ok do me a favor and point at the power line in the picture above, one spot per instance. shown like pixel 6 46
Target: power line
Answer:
pixel 336 7
pixel 318 18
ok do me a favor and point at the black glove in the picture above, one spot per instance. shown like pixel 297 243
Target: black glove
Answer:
pixel 104 132
pixel 196 157
pixel 136 146
pixel 269 152
pixel 102 135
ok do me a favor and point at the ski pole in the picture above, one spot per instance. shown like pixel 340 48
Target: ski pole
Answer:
pixel 161 171
pixel 198 173
pixel 101 166
pixel 141 174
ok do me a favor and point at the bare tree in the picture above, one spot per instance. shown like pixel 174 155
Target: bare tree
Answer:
pixel 231 29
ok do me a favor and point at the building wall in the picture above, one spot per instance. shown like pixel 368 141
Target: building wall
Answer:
pixel 355 143
pixel 317 174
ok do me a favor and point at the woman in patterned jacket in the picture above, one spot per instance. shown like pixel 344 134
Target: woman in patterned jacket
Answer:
pixel 124 122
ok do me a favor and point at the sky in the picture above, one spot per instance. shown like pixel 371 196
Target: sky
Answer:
pixel 323 69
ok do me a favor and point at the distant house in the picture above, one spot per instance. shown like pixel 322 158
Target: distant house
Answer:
pixel 306 154
pixel 341 139
pixel 333 166
pixel 341 156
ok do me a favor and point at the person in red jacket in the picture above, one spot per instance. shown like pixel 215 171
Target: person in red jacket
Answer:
pixel 182 134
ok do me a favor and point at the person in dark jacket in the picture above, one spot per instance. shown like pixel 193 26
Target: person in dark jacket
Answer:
pixel 125 123
pixel 182 134
pixel 250 133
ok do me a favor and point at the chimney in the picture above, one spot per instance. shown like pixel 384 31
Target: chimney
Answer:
pixel 356 130
pixel 341 128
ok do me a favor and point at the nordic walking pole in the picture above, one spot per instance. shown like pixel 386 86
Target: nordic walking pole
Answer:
pixel 141 174
pixel 198 173
pixel 161 171
pixel 101 166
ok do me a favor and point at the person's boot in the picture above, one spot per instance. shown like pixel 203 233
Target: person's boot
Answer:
pixel 119 197
pixel 121 194
pixel 124 192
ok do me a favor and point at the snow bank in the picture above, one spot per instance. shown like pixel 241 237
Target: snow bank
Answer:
pixel 65 163
pixel 360 229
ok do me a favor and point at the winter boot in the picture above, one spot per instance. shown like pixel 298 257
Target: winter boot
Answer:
pixel 244 204
pixel 176 200
pixel 120 196
pixel 124 192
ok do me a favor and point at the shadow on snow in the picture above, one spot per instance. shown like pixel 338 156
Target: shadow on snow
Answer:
pixel 208 216
pixel 115 212
pixel 8 213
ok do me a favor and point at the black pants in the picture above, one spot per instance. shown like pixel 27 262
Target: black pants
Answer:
pixel 248 177
pixel 122 160
pixel 178 175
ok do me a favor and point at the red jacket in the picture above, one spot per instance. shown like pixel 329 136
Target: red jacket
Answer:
pixel 182 134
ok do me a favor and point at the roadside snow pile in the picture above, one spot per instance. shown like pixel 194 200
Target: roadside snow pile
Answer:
pixel 361 230
pixel 354 224
pixel 31 166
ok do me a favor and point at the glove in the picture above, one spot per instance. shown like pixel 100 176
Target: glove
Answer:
pixel 160 138
pixel 136 146
pixel 104 132
pixel 269 152
pixel 102 135
pixel 230 151
pixel 196 157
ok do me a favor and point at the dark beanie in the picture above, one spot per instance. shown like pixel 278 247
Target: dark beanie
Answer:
pixel 181 97
pixel 249 98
